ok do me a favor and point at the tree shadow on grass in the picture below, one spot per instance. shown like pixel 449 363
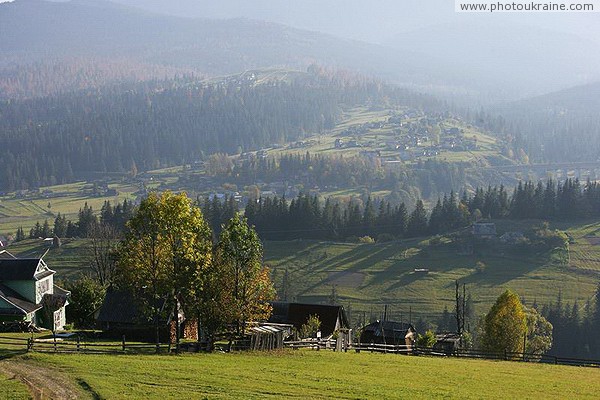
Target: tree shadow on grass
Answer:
pixel 359 259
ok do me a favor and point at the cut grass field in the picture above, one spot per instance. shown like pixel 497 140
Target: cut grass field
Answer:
pixel 311 374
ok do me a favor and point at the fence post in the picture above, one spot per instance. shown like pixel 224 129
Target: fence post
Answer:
pixel 505 355
pixel 123 344
pixel 555 360
pixel 78 342
pixel 29 344
pixel 54 337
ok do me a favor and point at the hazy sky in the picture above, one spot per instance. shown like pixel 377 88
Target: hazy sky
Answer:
pixel 373 20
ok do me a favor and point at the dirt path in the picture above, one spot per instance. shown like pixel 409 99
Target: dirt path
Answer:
pixel 44 382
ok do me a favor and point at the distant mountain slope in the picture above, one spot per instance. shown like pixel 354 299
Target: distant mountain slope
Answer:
pixel 159 123
pixel 517 58
pixel 39 30
pixel 582 100
pixel 559 126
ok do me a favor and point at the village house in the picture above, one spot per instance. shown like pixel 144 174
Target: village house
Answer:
pixel 28 293
pixel 121 314
pixel 333 318
pixel 389 332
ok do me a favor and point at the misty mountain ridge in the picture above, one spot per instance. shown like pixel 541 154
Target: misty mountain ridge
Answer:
pixel 39 30
pixel 582 100
pixel 36 29
pixel 513 55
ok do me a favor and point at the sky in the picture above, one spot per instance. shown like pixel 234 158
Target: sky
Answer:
pixel 376 21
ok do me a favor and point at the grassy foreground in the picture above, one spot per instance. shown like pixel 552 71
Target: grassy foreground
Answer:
pixel 311 374
pixel 11 388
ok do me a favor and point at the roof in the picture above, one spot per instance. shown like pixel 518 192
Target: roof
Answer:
pixel 20 305
pixel 5 255
pixel 387 332
pixel 297 314
pixel 447 337
pixel 389 328
pixel 23 269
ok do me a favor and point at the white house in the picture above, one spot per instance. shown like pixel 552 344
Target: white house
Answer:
pixel 28 293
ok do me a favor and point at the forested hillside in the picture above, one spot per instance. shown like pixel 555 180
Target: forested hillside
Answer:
pixel 138 126
pixel 558 127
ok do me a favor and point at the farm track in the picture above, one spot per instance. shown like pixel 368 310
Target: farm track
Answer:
pixel 43 382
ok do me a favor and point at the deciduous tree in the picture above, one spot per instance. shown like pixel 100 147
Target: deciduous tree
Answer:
pixel 505 325
pixel 239 256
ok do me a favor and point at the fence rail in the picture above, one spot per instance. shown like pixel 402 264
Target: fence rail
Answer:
pixel 60 345
pixel 427 351
pixel 17 345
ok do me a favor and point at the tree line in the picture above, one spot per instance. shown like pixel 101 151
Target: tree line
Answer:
pixel 87 224
pixel 407 182
pixel 308 217
pixel 575 325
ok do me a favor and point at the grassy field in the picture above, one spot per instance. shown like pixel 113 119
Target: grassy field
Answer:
pixel 69 260
pixel 24 211
pixel 367 276
pixel 11 388
pixel 311 374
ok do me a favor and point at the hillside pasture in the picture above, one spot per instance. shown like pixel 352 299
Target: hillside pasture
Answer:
pixel 311 374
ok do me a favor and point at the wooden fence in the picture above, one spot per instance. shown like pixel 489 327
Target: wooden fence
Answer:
pixel 425 351
pixel 16 345
pixel 511 356
pixel 77 345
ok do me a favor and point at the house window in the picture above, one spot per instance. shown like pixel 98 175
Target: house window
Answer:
pixel 43 287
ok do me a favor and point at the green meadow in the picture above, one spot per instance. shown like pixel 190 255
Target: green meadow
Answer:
pixel 310 375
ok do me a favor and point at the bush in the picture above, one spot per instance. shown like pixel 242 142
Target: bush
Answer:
pixel 87 296
pixel 366 239
pixel 426 340
pixel 310 328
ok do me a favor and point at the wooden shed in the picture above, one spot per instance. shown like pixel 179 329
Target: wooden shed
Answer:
pixel 388 332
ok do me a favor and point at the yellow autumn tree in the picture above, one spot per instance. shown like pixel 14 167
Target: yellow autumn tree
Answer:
pixel 505 325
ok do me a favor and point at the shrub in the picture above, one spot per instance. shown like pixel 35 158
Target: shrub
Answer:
pixel 366 239
pixel 310 328
pixel 426 340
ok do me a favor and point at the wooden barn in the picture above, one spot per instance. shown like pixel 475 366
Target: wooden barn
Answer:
pixel 333 318
pixel 121 314
pixel 447 343
pixel 388 332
